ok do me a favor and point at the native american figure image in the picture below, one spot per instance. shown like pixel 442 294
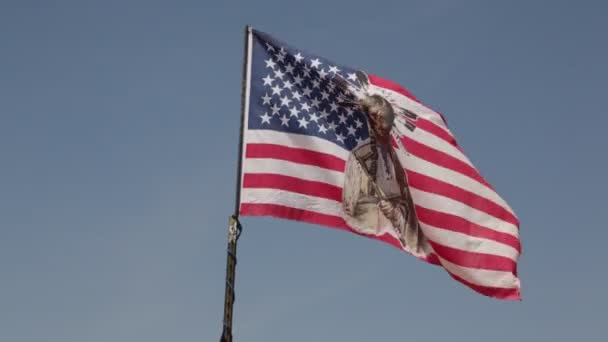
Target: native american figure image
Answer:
pixel 376 196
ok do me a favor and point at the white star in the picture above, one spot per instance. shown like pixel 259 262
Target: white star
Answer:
pixel 315 103
pixel 294 111
pixel 315 63
pixel 282 51
pixel 322 129
pixel 268 80
pixel 280 57
pixel 340 137
pixel 269 47
pixel 307 91
pixel 316 83
pixel 323 73
pixel 296 95
pixel 314 117
pixel 266 99
pixel 349 111
pixel 284 120
pixel 298 80
pixel 289 68
pixel 331 86
pixel 279 74
pixel 334 69
pixel 270 63
pixel 324 95
pixel 351 130
pixel 359 140
pixel 298 57
pixel 306 71
pixel 276 90
pixel 352 77
pixel 358 123
pixel 334 107
pixel 342 118
pixel 287 85
pixel 303 123
pixel 332 126
pixel 305 107
pixel 324 114
pixel 265 118
pixel 275 109
pixel 285 101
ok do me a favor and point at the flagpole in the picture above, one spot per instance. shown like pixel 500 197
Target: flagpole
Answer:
pixel 234 226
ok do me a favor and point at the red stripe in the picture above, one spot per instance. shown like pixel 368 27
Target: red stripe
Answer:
pixel 473 259
pixel 435 186
pixel 442 159
pixel 293 184
pixel 437 131
pixel 296 155
pixel 284 212
pixel 494 292
pixel 388 84
pixel 433 259
pixel 460 225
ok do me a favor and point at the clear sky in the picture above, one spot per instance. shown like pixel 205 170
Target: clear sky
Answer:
pixel 118 147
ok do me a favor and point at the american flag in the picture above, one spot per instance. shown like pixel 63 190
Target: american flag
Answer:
pixel 298 134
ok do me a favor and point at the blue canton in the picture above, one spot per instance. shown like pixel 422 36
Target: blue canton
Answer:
pixel 293 91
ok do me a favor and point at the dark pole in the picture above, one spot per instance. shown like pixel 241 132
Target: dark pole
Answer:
pixel 234 226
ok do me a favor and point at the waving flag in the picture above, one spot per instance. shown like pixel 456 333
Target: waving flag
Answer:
pixel 332 145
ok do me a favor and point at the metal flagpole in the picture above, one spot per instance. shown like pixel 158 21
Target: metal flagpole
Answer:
pixel 234 226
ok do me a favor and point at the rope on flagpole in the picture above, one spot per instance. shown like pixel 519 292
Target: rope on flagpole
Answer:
pixel 234 232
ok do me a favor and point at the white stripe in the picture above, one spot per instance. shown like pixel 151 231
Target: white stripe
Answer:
pixel 450 206
pixel 292 199
pixel 244 123
pixel 468 243
pixel 288 168
pixel 416 164
pixel 482 277
pixel 411 105
pixel 306 142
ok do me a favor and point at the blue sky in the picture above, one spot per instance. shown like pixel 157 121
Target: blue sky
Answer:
pixel 118 139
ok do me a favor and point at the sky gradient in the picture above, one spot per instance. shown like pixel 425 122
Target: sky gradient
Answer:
pixel 118 152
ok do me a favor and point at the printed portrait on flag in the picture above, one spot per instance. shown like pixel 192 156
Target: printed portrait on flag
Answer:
pixel 376 196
